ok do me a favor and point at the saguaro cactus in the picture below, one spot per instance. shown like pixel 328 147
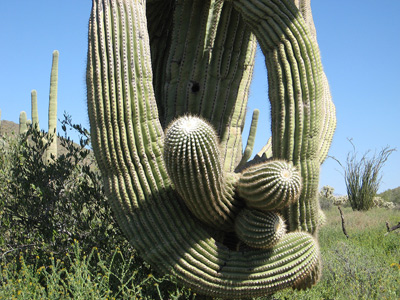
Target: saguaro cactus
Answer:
pixel 34 110
pixel 52 132
pixel 23 122
pixel 158 183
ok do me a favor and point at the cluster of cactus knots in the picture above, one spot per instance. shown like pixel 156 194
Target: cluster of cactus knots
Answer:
pixel 167 90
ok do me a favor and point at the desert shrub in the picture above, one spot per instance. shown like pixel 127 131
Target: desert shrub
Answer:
pixel 85 276
pixel 57 212
pixel 381 203
pixel 46 206
pixel 325 203
pixel 391 195
pixel 326 197
pixel 362 177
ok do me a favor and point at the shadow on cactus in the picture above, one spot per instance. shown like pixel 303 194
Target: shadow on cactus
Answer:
pixel 185 67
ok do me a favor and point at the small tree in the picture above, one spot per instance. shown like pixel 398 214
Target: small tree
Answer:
pixel 362 177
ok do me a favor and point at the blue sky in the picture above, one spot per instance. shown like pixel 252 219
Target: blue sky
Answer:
pixel 359 43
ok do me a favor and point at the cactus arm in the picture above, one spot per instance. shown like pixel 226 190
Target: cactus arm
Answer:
pixel 251 139
pixel 266 151
pixel 52 150
pixel 23 128
pixel 34 110
pixel 296 94
pixel 328 123
pixel 160 15
pixel 191 155
pixel 128 143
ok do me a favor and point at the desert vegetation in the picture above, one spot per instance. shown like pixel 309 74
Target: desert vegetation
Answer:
pixel 59 239
pixel 171 183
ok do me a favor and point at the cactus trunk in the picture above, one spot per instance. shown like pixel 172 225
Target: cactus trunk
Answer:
pixel 155 190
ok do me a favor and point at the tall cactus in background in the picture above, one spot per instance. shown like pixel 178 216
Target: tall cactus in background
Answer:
pixel 152 178
pixel 52 132
pixel 34 110
pixel 23 123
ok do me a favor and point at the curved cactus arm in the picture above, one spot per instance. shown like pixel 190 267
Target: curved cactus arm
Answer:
pixel 23 128
pixel 296 92
pixel 193 163
pixel 34 110
pixel 328 123
pixel 160 16
pixel 128 143
pixel 52 150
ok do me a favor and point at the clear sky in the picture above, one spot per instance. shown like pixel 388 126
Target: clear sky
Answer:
pixel 359 42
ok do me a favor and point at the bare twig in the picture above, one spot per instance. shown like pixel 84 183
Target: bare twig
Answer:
pixel 343 226
pixel 16 249
pixel 392 228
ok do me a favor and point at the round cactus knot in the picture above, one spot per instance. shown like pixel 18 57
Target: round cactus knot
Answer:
pixel 192 158
pixel 270 185
pixel 259 229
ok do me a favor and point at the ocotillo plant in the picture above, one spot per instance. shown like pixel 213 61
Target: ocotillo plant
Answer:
pixel 186 66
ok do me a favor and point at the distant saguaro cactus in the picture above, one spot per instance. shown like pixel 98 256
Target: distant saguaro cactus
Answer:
pixel 176 195
pixel 23 122
pixel 34 110
pixel 52 132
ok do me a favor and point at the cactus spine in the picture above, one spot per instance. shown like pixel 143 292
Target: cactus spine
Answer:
pixel 206 73
pixel 52 132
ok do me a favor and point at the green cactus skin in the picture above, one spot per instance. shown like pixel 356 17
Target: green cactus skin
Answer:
pixel 298 92
pixel 127 134
pixel 208 70
pixel 270 186
pixel 52 150
pixel 23 128
pixel 258 229
pixel 34 110
pixel 191 154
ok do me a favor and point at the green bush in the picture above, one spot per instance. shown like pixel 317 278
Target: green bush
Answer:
pixel 48 205
pixel 56 214
pixel 80 276
pixel 362 177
